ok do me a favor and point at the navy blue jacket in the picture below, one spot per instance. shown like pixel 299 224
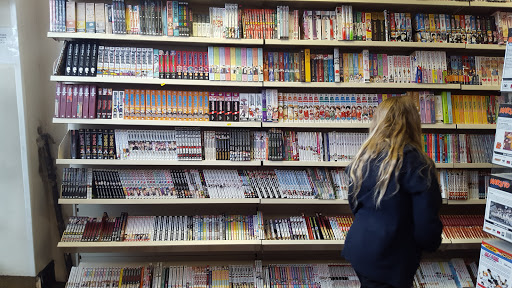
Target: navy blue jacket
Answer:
pixel 385 244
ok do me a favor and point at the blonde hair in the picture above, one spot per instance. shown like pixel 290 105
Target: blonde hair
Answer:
pixel 396 123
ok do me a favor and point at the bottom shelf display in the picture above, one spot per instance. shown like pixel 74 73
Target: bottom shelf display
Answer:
pixel 453 273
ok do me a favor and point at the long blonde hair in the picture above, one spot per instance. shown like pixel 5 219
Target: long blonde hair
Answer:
pixel 396 123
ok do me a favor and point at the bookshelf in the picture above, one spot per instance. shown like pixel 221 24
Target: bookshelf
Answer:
pixel 152 81
pixel 276 206
pixel 305 163
pixel 494 88
pixel 232 245
pixel 403 86
pixel 485 47
pixel 182 201
pixel 364 44
pixel 60 36
pixel 467 202
pixel 117 162
pixel 477 126
pixel 129 122
pixel 163 246
pixel 482 4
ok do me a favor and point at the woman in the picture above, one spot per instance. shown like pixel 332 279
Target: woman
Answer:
pixel 395 197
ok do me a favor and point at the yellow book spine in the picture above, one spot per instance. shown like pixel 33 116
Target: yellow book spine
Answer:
pixel 345 67
pixel 476 109
pixel 307 64
pixel 467 109
pixel 483 110
pixel 462 107
pixel 455 108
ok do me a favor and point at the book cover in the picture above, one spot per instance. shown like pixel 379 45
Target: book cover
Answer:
pixel 80 17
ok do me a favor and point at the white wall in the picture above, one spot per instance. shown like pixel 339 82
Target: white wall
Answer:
pixel 15 205
pixel 31 229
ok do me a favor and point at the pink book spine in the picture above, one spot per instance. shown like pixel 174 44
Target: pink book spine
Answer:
pixel 244 64
pixel 92 102
pixel 58 93
pixel 228 64
pixel 254 66
pixel 63 100
pixel 428 106
pixel 85 106
pixel 385 67
pixel 80 102
pixel 69 101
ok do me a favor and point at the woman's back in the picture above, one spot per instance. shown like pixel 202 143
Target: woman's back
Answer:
pixel 395 197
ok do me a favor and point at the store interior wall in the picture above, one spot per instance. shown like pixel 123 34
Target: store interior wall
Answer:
pixel 30 224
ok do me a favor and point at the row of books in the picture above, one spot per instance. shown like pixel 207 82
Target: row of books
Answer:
pixel 317 227
pixel 458 148
pixel 310 183
pixel 254 65
pixel 174 18
pixel 452 273
pixel 463 227
pixel 468 29
pixel 92 102
pixel 163 228
pixel 312 146
pixel 243 145
pixel 461 184
pixel 237 227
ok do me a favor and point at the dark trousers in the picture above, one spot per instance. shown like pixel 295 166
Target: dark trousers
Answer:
pixel 368 283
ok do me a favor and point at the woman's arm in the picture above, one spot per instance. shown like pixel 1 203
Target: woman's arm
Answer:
pixel 421 182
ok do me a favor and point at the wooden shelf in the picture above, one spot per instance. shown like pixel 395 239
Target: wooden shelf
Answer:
pixel 364 44
pixel 162 201
pixel 477 126
pixel 496 88
pixel 474 165
pixel 149 38
pixel 151 81
pixel 327 125
pixel 301 245
pixel 116 162
pixel 467 202
pixel 202 201
pixel 162 246
pixel 438 126
pixel 383 2
pixel 305 163
pixel 482 4
pixel 486 47
pixel 128 122
pixel 444 165
pixel 302 202
pixel 271 84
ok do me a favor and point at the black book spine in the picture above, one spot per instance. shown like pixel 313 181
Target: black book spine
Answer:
pixel 235 110
pixel 105 145
pixel 228 115
pixel 69 59
pixel 108 112
pixel 99 146
pixel 74 139
pixel 94 60
pixel 220 109
pixel 81 59
pixel 76 56
pixel 313 68
pixel 87 61
pixel 111 144
pixel 87 143
pixel 94 144
pixel 81 137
